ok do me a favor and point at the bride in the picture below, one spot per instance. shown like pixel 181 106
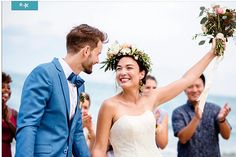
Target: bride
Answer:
pixel 126 119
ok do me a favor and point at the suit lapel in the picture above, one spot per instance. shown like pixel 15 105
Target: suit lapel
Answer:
pixel 78 108
pixel 64 86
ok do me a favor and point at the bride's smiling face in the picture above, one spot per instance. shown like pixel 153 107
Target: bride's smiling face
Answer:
pixel 128 73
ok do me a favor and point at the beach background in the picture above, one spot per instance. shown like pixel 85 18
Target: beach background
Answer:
pixel 101 91
pixel 163 29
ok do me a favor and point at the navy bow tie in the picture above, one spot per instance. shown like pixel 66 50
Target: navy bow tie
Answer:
pixel 76 80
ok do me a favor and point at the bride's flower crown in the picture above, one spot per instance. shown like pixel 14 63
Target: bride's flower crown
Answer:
pixel 116 51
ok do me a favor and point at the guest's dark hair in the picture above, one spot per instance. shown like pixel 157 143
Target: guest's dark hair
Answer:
pixel 150 77
pixel 83 35
pixel 6 78
pixel 202 77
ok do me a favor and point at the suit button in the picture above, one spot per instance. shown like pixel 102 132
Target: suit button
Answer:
pixel 65 151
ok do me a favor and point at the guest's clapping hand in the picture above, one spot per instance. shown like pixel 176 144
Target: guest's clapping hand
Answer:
pixel 224 112
pixel 198 112
pixel 87 120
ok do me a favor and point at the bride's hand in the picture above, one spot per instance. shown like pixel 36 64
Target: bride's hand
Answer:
pixel 218 36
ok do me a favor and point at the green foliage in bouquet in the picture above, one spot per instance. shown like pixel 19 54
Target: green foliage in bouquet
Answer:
pixel 217 20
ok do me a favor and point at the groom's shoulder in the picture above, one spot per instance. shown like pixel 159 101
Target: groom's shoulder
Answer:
pixel 44 70
pixel 48 66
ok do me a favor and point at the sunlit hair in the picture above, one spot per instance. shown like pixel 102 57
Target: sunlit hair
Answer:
pixel 117 51
pixel 83 35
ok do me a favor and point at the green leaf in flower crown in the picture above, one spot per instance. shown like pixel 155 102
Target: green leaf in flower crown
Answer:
pixel 204 19
pixel 202 42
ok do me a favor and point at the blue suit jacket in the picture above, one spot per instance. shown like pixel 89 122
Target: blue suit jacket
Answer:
pixel 43 126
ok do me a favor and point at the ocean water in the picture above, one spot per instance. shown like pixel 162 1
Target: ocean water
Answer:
pixel 101 91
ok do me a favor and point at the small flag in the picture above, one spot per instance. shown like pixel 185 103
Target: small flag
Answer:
pixel 24 5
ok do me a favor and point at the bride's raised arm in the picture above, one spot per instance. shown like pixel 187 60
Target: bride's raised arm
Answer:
pixel 170 91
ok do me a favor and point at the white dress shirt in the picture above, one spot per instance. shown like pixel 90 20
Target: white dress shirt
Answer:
pixel 72 88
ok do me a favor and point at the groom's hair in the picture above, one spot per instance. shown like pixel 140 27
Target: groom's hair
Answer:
pixel 83 35
pixel 202 77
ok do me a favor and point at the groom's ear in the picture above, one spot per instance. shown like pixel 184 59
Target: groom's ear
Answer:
pixel 86 51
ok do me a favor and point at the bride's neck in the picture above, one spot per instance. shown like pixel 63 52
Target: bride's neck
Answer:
pixel 130 96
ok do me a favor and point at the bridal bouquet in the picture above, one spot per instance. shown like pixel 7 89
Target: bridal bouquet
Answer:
pixel 217 20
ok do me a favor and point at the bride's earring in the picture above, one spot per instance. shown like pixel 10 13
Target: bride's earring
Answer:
pixel 141 86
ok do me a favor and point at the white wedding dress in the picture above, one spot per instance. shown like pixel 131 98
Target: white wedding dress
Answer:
pixel 134 136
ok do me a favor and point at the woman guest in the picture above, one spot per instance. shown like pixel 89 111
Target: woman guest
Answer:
pixel 9 117
pixel 88 127
pixel 160 114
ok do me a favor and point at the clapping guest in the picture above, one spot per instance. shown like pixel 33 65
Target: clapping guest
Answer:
pixel 197 131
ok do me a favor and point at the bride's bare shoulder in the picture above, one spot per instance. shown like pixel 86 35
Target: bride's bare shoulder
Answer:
pixel 110 103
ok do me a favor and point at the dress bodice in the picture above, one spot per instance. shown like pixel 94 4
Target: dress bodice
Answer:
pixel 134 136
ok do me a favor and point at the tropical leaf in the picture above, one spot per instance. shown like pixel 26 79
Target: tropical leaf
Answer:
pixel 202 42
pixel 210 41
pixel 201 13
pixel 204 19
pixel 202 8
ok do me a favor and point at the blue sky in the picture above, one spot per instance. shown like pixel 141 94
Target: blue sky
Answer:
pixel 162 29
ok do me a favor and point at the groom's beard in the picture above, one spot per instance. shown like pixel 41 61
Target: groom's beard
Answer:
pixel 88 67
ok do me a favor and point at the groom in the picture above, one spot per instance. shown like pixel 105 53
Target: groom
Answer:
pixel 49 122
